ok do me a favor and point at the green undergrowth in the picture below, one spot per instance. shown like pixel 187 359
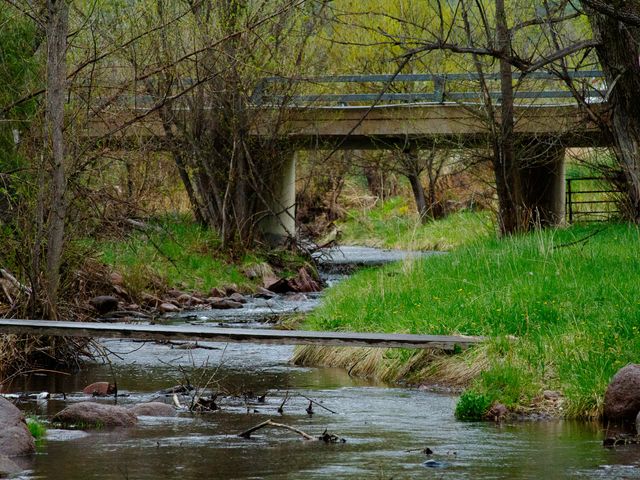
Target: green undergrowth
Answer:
pixel 394 224
pixel 176 252
pixel 561 309
pixel 36 427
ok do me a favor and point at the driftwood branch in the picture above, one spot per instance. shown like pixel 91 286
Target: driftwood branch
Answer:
pixel 269 423
pixel 318 404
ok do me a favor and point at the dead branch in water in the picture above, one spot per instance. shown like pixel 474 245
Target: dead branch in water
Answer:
pixel 316 403
pixel 269 423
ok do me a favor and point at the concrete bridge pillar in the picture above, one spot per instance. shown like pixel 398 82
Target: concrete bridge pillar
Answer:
pixel 543 183
pixel 280 221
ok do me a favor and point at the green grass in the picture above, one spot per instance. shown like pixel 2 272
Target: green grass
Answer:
pixel 178 252
pixel 36 427
pixel 394 224
pixel 562 309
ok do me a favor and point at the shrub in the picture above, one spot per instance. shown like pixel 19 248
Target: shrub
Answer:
pixel 472 406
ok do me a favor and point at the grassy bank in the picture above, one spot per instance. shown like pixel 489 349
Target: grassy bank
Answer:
pixel 562 309
pixel 175 252
pixel 394 224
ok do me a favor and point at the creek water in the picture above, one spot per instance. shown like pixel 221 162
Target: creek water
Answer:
pixel 385 426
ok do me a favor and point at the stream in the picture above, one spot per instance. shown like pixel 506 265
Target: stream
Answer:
pixel 386 427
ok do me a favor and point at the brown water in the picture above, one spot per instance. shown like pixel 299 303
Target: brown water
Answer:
pixel 385 427
pixel 381 424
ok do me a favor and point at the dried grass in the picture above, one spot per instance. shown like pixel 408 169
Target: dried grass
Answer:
pixel 425 366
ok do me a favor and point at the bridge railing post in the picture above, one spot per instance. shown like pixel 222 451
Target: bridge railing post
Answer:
pixel 439 83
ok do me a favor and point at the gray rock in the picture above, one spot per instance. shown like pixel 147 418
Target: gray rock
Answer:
pixel 168 308
pixel 8 467
pixel 91 414
pixel 224 304
pixel 15 437
pixel 622 398
pixel 153 409
pixel 104 304
pixel 262 292
pixel 237 297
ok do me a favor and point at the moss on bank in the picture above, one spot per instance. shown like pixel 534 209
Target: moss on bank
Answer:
pixel 561 308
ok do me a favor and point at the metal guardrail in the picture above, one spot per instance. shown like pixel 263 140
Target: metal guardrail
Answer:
pixel 591 203
pixel 439 92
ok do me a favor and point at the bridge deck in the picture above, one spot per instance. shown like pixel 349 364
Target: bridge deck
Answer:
pixel 233 335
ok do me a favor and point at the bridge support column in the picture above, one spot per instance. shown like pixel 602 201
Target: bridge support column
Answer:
pixel 543 183
pixel 280 222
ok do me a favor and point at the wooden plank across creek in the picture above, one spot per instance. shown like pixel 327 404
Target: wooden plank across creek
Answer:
pixel 234 335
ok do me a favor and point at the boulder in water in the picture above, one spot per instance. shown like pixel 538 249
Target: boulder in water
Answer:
pixel 100 389
pixel 15 437
pixel 91 414
pixel 622 398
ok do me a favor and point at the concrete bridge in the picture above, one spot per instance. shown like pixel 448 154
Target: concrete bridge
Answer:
pixel 435 114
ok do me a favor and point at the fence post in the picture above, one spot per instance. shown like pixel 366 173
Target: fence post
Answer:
pixel 569 201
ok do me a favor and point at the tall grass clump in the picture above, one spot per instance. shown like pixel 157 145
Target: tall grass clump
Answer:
pixel 393 224
pixel 561 309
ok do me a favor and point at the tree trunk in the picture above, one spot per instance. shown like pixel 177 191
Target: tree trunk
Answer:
pixel 619 53
pixel 56 29
pixel 504 161
pixel 420 198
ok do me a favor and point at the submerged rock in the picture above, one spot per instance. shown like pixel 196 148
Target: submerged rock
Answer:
pixel 153 409
pixel 91 414
pixel 100 389
pixel 622 398
pixel 15 437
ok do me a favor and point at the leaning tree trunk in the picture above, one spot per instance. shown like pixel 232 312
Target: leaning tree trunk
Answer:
pixel 56 29
pixel 618 51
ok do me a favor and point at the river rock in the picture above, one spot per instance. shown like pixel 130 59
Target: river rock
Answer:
pixel 15 437
pixel 231 289
pixel 281 285
pixel 153 409
pixel 104 304
pixel 237 297
pixel 8 467
pixel 217 293
pixel 99 389
pixel 622 398
pixel 91 414
pixel 304 282
pixel 262 292
pixel 224 304
pixel 497 412
pixel 167 307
